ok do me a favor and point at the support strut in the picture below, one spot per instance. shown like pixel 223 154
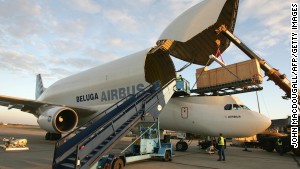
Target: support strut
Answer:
pixel 273 74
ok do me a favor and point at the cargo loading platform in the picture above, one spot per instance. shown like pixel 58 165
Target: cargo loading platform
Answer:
pixel 232 79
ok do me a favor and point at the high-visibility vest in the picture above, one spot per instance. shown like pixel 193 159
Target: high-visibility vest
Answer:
pixel 221 141
pixel 179 78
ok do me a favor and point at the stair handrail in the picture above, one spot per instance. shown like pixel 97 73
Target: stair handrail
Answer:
pixel 119 114
pixel 142 99
pixel 114 118
pixel 57 144
pixel 163 87
pixel 127 107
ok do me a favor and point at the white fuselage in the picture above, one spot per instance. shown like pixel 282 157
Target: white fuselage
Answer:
pixel 100 87
pixel 205 115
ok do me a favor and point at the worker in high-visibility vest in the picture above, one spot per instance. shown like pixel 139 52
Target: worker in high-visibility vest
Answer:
pixel 179 83
pixel 179 78
pixel 280 146
pixel 221 147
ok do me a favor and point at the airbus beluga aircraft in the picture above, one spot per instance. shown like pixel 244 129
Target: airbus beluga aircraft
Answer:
pixel 74 100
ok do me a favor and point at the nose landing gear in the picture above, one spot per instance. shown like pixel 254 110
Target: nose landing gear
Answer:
pixel 181 145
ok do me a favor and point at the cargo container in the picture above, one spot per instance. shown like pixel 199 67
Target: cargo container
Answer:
pixel 247 70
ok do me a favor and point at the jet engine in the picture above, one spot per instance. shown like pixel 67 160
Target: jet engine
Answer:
pixel 55 119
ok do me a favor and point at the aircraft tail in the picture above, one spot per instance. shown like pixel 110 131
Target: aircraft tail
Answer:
pixel 39 88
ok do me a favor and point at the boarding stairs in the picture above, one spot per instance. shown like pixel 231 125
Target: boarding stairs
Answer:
pixel 83 149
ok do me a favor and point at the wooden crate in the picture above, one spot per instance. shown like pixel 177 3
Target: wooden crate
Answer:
pixel 249 69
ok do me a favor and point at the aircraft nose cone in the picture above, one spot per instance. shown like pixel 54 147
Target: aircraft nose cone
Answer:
pixel 264 123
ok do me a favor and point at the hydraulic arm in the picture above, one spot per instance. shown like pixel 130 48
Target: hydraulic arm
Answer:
pixel 273 74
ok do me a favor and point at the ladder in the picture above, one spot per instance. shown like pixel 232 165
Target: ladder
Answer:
pixel 82 150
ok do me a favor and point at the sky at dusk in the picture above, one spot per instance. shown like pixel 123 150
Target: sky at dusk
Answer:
pixel 59 38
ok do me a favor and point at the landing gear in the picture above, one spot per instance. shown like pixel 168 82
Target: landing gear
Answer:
pixel 52 136
pixel 181 145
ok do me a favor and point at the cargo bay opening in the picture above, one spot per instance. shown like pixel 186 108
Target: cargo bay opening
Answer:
pixel 194 43
pixel 159 66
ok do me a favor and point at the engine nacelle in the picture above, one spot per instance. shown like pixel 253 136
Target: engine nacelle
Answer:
pixel 56 119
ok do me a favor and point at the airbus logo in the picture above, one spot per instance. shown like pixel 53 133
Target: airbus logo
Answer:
pixel 233 116
pixel 112 94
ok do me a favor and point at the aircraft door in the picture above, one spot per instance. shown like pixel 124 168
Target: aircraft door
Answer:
pixel 184 112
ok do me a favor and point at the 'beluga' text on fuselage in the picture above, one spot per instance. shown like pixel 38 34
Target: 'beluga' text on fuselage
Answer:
pixel 113 94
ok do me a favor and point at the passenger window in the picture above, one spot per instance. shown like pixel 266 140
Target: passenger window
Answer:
pixel 236 107
pixel 228 107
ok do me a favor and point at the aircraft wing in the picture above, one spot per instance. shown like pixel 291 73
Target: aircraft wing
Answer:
pixel 32 106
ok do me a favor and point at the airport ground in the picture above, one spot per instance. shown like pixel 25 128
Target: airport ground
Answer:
pixel 41 152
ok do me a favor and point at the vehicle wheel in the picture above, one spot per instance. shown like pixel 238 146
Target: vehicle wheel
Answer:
pixel 296 151
pixel 167 156
pixel 268 146
pixel 118 164
pixel 286 149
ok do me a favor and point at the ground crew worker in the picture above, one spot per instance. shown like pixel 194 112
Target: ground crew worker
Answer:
pixel 221 147
pixel 179 83
pixel 279 146
pixel 179 78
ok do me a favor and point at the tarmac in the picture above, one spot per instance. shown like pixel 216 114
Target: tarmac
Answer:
pixel 40 154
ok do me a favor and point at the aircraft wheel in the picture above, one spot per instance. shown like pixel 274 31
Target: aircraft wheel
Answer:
pixel 118 164
pixel 181 146
pixel 186 146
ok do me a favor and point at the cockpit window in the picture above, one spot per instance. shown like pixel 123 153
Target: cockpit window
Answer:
pixel 236 107
pixel 228 107
pixel 244 107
